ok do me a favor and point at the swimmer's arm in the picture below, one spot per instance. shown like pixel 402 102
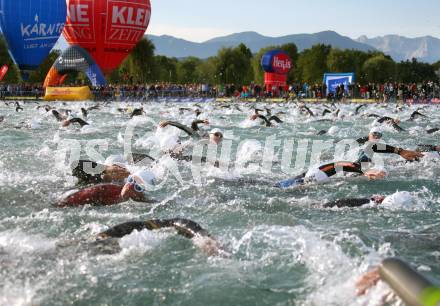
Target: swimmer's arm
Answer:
pixel 195 124
pixel 350 167
pixel 79 121
pixel 362 140
pixel 406 154
pixel 178 125
pixel 124 229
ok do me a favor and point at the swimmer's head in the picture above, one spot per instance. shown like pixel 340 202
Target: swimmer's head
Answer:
pixel 116 160
pixel 375 134
pixel 216 136
pixel 138 185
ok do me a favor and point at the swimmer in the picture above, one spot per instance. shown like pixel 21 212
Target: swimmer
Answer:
pixel 18 107
pixel 184 227
pixel 215 137
pixel 111 194
pixel 416 115
pixel 2 118
pixel 266 121
pixel 191 131
pixel 355 202
pixel 137 112
pixel 114 169
pixel 358 108
pixel 323 173
pixel 393 122
pixel 372 145
pixel 304 109
pixel 432 131
pixel 67 123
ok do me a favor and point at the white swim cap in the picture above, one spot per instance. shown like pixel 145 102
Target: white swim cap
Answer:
pixel 213 131
pixel 116 160
pixel 376 129
pixel 145 177
pixel 316 175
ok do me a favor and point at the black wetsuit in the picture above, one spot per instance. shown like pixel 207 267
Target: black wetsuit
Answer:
pixel 268 122
pixel 390 120
pixel 191 131
pixel 329 169
pixel 347 203
pixel 80 172
pixel 79 121
pixel 184 227
pixel 366 154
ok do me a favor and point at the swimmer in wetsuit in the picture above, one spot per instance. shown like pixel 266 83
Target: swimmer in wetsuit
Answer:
pixel 192 131
pixel 354 202
pixel 372 145
pixel 136 189
pixel 186 228
pixel 393 122
pixel 265 121
pixel 322 174
pixel 114 169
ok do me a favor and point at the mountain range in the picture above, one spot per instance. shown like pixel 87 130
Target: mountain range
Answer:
pixel 425 49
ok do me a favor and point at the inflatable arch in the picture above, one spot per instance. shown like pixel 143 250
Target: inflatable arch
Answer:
pixel 77 59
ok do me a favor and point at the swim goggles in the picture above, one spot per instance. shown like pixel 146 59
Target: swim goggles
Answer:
pixel 137 187
pixel 377 134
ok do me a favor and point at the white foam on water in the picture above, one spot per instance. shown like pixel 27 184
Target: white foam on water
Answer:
pixel 332 273
pixel 144 240
pixel 18 243
pixel 18 294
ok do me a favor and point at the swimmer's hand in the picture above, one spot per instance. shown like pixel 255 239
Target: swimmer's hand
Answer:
pixel 163 124
pixel 206 122
pixel 375 174
pixel 410 155
pixel 208 245
pixel 366 281
pixel 254 117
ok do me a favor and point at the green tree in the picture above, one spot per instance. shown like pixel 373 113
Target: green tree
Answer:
pixel 187 70
pixel 234 65
pixel 312 64
pixel 347 61
pixel 414 71
pixel 206 71
pixel 166 68
pixel 139 66
pixel 379 68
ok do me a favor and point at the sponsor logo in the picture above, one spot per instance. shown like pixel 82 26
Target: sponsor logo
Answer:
pixel 80 22
pixel 127 22
pixel 40 30
pixel 281 63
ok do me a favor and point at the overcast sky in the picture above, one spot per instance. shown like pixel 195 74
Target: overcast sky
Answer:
pixel 200 20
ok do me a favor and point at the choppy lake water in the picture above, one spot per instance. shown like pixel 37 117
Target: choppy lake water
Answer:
pixel 285 249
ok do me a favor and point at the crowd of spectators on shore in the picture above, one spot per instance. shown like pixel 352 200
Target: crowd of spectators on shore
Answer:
pixel 388 92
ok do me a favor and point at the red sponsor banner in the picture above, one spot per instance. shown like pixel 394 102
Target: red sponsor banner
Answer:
pixel 281 63
pixel 3 71
pixel 107 29
pixel 275 79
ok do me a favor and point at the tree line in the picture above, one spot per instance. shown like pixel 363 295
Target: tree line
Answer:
pixel 238 65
